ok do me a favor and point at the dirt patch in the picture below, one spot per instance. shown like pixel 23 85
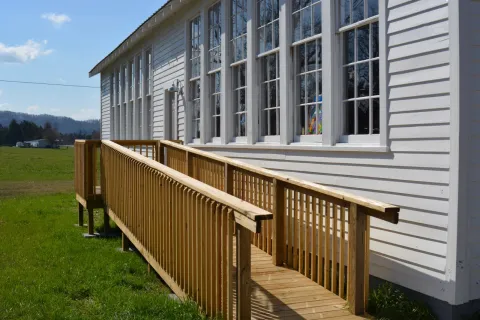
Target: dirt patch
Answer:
pixel 18 188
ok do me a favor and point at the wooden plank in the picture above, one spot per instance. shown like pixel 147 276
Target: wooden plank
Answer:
pixel 230 226
pixel 334 249
pixel 326 271
pixel 80 215
pixel 341 281
pixel 313 260
pixel 278 256
pixel 307 236
pixel 243 273
pixel 356 252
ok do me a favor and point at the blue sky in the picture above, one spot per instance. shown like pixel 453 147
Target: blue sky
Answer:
pixel 59 41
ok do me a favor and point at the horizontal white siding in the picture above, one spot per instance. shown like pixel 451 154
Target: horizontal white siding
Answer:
pixel 474 153
pixel 105 105
pixel 168 65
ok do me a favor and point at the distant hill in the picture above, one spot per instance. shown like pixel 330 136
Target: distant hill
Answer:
pixel 64 125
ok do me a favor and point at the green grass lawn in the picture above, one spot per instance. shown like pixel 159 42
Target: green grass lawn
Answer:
pixel 49 271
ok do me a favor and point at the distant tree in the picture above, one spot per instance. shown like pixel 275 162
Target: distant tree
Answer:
pixel 14 134
pixel 3 135
pixel 95 135
pixel 30 130
pixel 49 133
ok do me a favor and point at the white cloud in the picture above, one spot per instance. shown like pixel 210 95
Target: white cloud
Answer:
pixel 86 114
pixel 31 50
pixel 57 19
pixel 6 107
pixel 33 109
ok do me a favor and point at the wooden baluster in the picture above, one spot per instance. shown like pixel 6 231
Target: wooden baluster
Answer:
pixel 356 252
pixel 341 280
pixel 326 272
pixel 269 208
pixel 366 273
pixel 320 242
pixel 334 249
pixel 218 260
pixel 243 273
pixel 313 259
pixel 278 257
pixel 295 230
pixel 301 235
pixel 290 228
pixel 307 236
pixel 224 242
pixel 230 231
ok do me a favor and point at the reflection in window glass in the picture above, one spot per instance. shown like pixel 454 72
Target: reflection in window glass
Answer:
pixel 215 86
pixel 308 57
pixel 268 30
pixel 195 61
pixel 361 74
pixel 195 87
pixel 239 29
pixel 239 99
pixel 269 94
pixel 307 19
pixel 214 36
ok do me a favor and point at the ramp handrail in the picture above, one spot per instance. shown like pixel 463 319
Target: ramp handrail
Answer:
pixel 183 227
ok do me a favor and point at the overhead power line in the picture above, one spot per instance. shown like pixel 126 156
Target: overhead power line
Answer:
pixel 49 84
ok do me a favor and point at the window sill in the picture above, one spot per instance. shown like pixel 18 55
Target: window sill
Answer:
pixel 339 147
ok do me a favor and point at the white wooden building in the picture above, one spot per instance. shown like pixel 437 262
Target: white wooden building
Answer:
pixel 377 97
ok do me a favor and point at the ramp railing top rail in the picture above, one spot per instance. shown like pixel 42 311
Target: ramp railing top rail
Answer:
pixel 319 231
pixel 184 228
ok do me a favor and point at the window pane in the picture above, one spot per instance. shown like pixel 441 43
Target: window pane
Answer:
pixel 263 12
pixel 264 117
pixel 363 83
pixel 344 12
pixel 301 119
pixel 261 39
pixel 376 116
pixel 302 89
pixel 372 8
pixel 317 18
pixel 350 82
pixel 307 22
pixel 276 34
pixel 272 66
pixel 363 113
pixel 319 87
pixel 296 5
pixel 242 100
pixel 349 44
pixel 196 109
pixel 363 43
pixel 305 3
pixel 350 117
pixel 375 45
pixel 273 94
pixel 311 56
pixel 268 11
pixel 311 87
pixel 319 120
pixel 312 119
pixel 357 10
pixel 243 124
pixel 301 58
pixel 268 38
pixel 296 27
pixel 276 9
pixel 217 126
pixel 242 75
pixel 376 78
pixel 273 122
pixel 319 54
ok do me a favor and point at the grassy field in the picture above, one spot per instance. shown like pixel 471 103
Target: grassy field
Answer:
pixel 48 270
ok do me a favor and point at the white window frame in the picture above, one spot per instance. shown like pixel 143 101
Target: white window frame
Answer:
pixel 273 25
pixel 236 101
pixel 370 138
pixel 192 79
pixel 307 138
pixel 241 37
pixel 213 71
pixel 267 137
pixel 147 92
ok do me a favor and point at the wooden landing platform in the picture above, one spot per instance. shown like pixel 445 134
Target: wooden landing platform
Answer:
pixel 282 293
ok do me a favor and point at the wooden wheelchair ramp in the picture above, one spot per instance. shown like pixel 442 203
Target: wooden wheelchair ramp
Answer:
pixel 241 241
pixel 282 293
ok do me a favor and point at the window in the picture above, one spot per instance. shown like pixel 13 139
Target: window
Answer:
pixel 132 79
pixel 214 36
pixel 112 106
pixel 195 87
pixel 215 60
pixel 268 30
pixel 360 54
pixel 269 94
pixel 239 100
pixel 148 72
pixel 239 29
pixel 215 103
pixel 307 19
pixel 117 87
pixel 139 76
pixel 195 64
pixel 308 69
